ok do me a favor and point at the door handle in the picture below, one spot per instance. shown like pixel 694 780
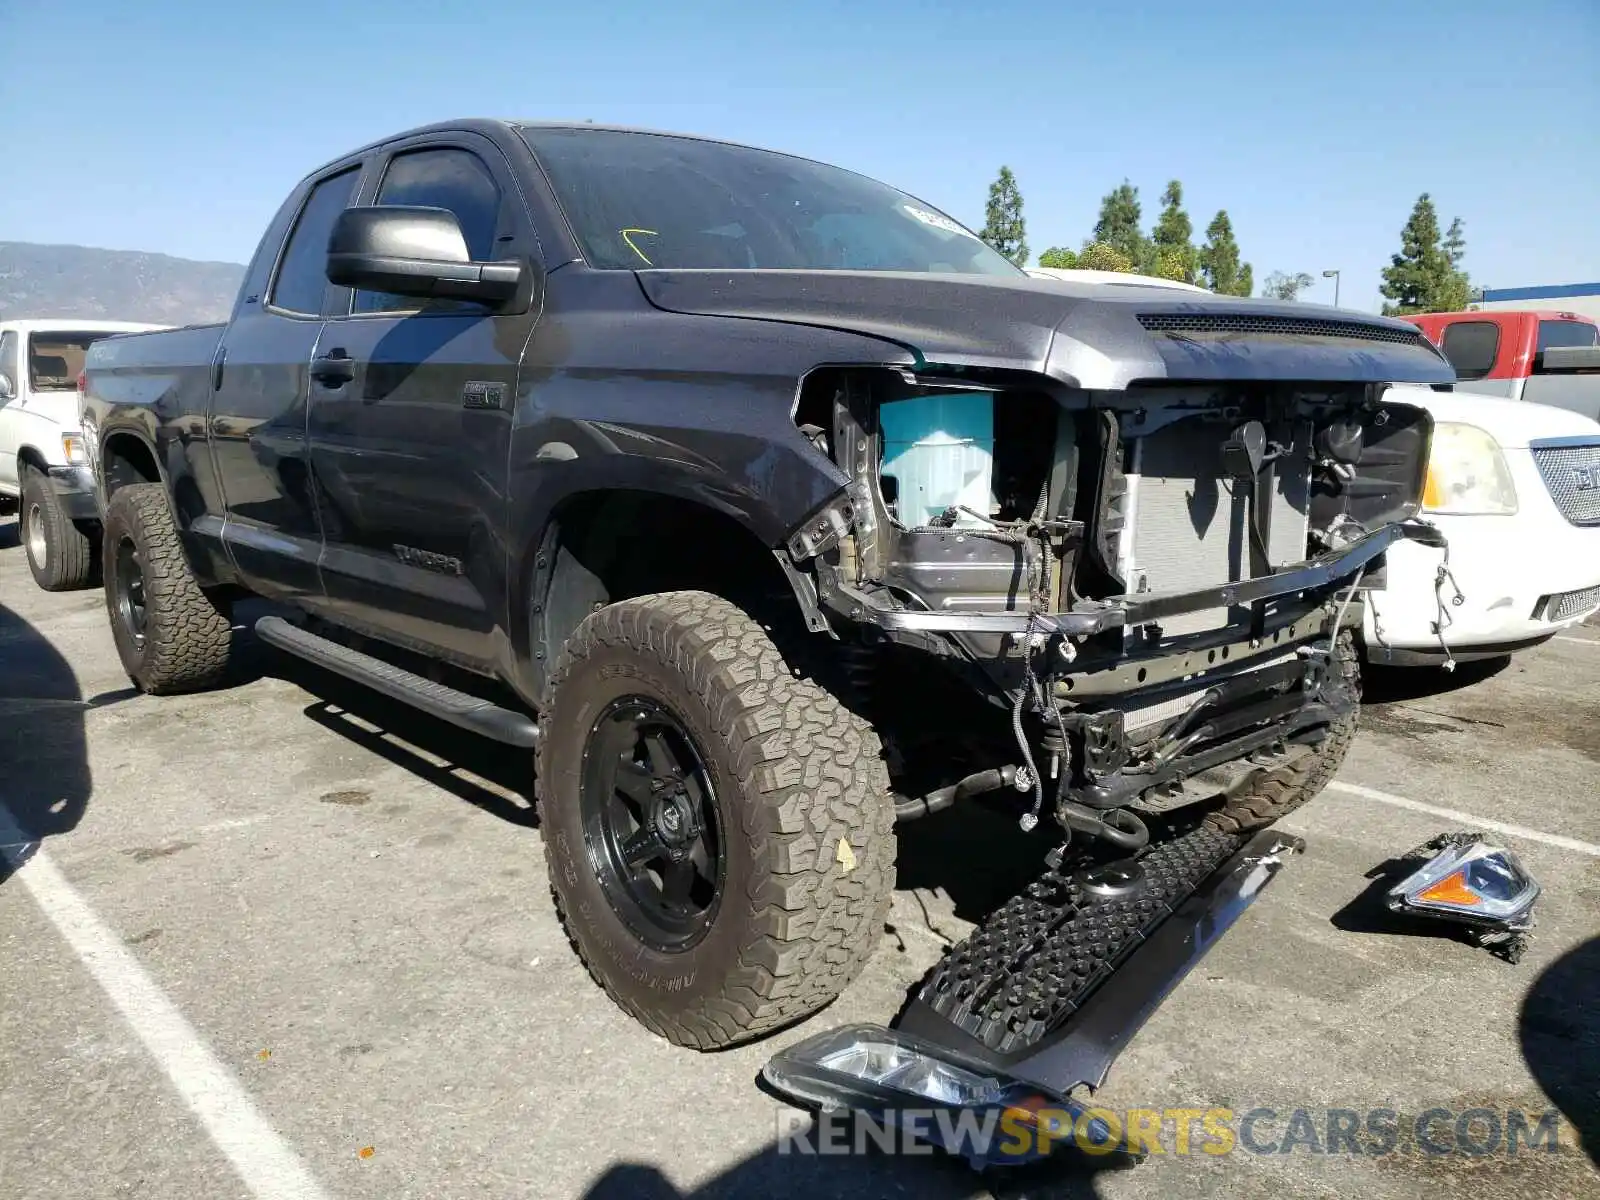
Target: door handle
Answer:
pixel 333 370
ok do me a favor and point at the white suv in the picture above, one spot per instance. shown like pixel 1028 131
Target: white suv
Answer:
pixel 43 464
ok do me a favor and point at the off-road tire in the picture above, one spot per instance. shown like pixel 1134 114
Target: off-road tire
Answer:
pixel 187 633
pixel 803 798
pixel 1275 794
pixel 68 552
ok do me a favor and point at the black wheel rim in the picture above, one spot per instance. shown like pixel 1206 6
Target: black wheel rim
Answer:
pixel 128 591
pixel 651 824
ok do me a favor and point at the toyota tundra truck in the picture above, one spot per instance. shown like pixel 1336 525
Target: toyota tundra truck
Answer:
pixel 780 509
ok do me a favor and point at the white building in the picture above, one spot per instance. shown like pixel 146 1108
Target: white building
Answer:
pixel 1581 298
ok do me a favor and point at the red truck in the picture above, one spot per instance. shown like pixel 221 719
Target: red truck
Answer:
pixel 1545 356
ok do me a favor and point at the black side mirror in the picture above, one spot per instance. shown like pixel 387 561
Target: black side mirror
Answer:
pixel 415 252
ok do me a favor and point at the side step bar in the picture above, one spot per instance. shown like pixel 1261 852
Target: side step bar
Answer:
pixel 1053 986
pixel 436 699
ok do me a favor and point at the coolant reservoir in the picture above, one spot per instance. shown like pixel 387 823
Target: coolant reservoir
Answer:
pixel 940 452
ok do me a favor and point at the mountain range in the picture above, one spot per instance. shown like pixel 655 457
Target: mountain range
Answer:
pixel 126 285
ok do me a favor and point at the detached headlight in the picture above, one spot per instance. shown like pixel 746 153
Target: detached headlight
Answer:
pixel 1467 473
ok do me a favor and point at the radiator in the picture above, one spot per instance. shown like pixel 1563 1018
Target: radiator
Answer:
pixel 1187 522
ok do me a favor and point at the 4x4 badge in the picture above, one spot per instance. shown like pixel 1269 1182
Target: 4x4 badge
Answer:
pixel 477 394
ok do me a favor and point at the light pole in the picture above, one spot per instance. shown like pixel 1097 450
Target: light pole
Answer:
pixel 1333 275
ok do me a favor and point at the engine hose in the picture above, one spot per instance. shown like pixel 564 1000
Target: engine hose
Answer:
pixel 1119 826
pixel 908 808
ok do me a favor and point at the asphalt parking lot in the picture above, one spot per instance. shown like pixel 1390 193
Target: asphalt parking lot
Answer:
pixel 286 938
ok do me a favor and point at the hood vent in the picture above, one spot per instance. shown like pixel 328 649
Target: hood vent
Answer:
pixel 1216 324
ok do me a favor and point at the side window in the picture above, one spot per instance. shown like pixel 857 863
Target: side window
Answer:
pixel 1562 333
pixel 1471 347
pixel 11 361
pixel 453 179
pixel 302 272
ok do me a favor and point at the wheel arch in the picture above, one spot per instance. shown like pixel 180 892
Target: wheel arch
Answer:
pixel 602 545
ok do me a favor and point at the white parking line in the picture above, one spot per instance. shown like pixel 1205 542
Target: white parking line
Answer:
pixel 1578 641
pixel 1468 820
pixel 262 1159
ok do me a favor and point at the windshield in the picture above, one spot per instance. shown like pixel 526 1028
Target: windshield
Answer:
pixel 638 200
pixel 55 360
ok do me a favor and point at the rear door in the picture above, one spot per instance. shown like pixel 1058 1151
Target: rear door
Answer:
pixel 410 440
pixel 257 425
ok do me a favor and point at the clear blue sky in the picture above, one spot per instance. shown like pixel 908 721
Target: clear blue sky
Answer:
pixel 177 126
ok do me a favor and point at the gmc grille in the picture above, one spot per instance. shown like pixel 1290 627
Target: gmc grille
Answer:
pixel 1220 323
pixel 1572 473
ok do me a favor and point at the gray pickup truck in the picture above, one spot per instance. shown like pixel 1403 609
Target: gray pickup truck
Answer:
pixel 782 509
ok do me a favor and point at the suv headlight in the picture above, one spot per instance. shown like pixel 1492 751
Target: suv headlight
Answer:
pixel 73 448
pixel 1467 473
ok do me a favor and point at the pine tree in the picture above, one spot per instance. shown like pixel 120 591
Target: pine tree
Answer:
pixel 1059 257
pixel 1003 226
pixel 1219 260
pixel 1175 257
pixel 1426 275
pixel 1118 226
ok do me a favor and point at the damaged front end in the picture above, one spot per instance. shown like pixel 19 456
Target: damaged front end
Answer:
pixel 1145 584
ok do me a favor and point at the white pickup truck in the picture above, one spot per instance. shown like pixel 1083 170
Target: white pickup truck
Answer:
pixel 43 471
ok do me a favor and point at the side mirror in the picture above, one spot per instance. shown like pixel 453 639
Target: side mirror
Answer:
pixel 415 252
pixel 8 390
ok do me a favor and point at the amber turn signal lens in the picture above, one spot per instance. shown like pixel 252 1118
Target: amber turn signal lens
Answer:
pixel 1432 493
pixel 1452 889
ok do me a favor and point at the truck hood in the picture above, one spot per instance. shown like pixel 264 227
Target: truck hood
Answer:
pixel 1100 336
pixel 1512 423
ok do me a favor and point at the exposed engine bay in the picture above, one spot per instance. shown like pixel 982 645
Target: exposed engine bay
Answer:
pixel 1148 584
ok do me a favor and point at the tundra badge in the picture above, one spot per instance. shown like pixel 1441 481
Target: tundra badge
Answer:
pixel 477 394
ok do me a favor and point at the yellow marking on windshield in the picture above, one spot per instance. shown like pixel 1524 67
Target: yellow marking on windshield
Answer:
pixel 635 249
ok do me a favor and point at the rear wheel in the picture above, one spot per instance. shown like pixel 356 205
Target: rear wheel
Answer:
pixel 717 826
pixel 60 555
pixel 1276 794
pixel 171 635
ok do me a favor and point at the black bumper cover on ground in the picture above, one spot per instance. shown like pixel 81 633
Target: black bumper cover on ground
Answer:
pixel 1056 983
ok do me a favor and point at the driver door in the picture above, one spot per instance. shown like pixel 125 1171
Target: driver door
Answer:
pixel 410 434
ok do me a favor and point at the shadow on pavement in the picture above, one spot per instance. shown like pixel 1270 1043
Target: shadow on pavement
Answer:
pixel 44 761
pixel 1559 1028
pixel 1387 685
pixel 431 749
pixel 772 1175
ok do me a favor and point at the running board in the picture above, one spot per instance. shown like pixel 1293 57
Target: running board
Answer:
pixel 1054 985
pixel 436 699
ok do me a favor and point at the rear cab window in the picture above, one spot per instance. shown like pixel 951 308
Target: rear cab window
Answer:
pixel 1471 347
pixel 1562 333
pixel 55 359
pixel 301 280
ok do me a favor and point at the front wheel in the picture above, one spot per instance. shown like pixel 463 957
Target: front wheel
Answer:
pixel 1278 793
pixel 170 635
pixel 60 555
pixel 717 826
